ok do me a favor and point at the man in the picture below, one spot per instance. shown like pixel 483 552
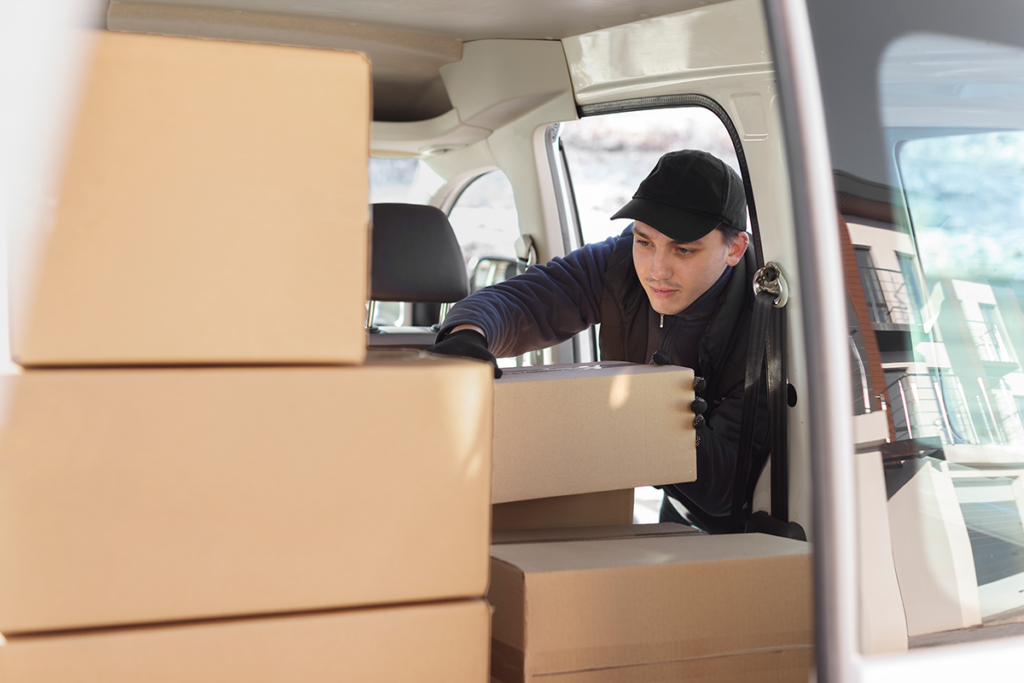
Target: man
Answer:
pixel 674 287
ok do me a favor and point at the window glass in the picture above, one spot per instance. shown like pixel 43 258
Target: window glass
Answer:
pixel 609 155
pixel 402 180
pixel 963 195
pixel 485 220
pixel 935 276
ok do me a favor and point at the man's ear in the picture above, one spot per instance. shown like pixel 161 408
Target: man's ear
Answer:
pixel 737 248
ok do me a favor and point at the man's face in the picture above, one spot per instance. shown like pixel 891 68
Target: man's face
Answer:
pixel 675 274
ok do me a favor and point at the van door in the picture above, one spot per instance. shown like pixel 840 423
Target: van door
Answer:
pixel 905 135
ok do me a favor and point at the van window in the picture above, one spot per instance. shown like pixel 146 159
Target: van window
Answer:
pixel 402 180
pixel 484 218
pixel 608 155
pixel 936 309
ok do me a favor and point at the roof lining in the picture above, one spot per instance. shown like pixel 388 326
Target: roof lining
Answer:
pixel 407 81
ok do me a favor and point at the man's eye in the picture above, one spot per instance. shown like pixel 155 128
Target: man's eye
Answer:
pixel 642 243
pixel 682 250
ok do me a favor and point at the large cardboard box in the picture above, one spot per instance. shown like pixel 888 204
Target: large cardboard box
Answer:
pixel 566 429
pixel 152 495
pixel 691 606
pixel 213 209
pixel 601 508
pixel 439 643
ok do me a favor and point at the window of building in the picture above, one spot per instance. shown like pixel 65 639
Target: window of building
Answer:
pixel 873 293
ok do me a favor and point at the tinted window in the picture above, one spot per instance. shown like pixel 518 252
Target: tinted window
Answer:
pixel 928 152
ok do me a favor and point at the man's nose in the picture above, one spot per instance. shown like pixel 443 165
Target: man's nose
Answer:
pixel 660 266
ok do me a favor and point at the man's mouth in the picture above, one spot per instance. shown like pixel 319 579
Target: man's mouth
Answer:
pixel 662 293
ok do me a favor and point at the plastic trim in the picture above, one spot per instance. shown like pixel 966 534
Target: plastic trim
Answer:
pixel 822 291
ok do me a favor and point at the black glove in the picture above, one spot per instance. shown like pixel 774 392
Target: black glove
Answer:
pixel 699 405
pixel 468 344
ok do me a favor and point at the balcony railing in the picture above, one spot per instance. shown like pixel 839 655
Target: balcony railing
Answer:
pixel 887 296
pixel 955 409
pixel 991 347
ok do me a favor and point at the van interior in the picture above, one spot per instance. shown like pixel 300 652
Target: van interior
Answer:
pixel 485 138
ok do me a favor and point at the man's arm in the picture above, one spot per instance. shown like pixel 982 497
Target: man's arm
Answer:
pixel 467 341
pixel 546 305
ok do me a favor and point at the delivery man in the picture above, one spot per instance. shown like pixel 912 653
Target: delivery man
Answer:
pixel 674 288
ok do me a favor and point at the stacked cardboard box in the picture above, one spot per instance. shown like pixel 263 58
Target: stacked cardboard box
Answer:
pixel 622 604
pixel 200 477
pixel 572 441
pixel 647 603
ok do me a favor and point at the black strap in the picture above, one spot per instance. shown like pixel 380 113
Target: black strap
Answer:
pixel 778 400
pixel 763 305
pixel 767 344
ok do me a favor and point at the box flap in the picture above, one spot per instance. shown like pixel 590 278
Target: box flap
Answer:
pixel 608 553
pixel 593 533
pixel 543 373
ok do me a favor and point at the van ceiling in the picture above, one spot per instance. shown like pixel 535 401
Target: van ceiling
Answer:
pixel 407 40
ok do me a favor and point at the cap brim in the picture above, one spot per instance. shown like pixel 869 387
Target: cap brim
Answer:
pixel 677 224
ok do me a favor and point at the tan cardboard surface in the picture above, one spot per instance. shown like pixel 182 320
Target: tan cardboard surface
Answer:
pixel 600 508
pixel 438 643
pixel 584 605
pixel 783 665
pixel 563 430
pixel 213 210
pixel 134 496
pixel 592 533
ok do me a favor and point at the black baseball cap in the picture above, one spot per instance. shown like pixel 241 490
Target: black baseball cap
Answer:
pixel 687 195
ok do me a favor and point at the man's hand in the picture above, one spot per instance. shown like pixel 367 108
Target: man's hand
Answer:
pixel 468 344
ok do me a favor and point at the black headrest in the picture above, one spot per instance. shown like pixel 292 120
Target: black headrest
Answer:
pixel 415 256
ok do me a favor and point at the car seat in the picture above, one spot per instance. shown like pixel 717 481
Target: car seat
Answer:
pixel 416 259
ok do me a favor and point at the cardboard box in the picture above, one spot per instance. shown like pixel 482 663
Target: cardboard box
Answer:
pixel 593 533
pixel 151 495
pixel 793 665
pixel 213 209
pixel 566 429
pixel 440 643
pixel 616 609
pixel 583 509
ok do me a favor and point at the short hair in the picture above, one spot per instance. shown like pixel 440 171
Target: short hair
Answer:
pixel 729 233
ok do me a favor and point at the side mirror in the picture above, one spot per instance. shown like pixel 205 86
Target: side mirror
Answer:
pixel 491 270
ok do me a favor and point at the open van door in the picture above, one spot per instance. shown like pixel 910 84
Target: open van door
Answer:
pixel 905 142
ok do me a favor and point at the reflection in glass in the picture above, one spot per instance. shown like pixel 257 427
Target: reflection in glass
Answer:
pixel 940 260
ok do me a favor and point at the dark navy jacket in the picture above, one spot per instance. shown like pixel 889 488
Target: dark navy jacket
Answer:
pixel 598 284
